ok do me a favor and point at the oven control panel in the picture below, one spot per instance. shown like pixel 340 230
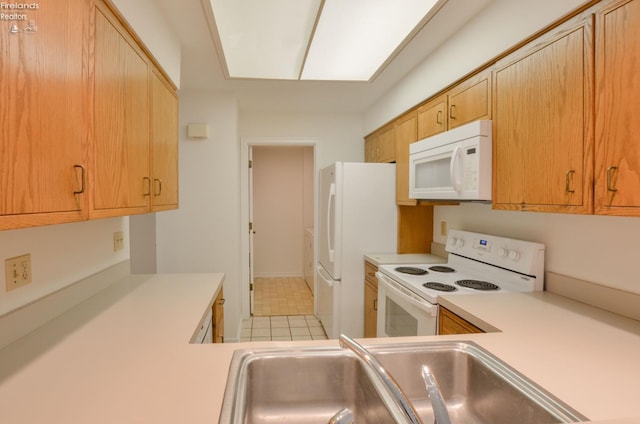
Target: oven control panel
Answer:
pixel 518 255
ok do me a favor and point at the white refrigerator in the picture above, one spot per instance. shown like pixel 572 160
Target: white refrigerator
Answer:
pixel 357 215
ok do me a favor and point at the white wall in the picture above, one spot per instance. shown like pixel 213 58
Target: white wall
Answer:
pixel 154 31
pixel 60 256
pixel 599 249
pixel 279 194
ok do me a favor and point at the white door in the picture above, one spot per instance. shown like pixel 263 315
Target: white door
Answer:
pixel 252 230
pixel 330 220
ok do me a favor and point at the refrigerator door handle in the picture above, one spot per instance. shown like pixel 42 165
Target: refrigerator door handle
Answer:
pixel 332 197
pixel 326 278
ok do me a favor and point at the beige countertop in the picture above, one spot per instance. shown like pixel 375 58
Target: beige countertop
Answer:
pixel 124 355
pixel 378 259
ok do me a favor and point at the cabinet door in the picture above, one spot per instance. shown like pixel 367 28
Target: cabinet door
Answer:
pixel 450 323
pixel 432 117
pixel 542 125
pixel 617 185
pixel 164 133
pixel 218 318
pixel 387 144
pixel 44 80
pixel 470 100
pixel 370 310
pixel 121 177
pixel 371 148
pixel 405 134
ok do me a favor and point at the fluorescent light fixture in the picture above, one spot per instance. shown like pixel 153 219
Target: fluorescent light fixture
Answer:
pixel 345 40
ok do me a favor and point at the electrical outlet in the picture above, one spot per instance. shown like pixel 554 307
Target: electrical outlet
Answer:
pixel 443 228
pixel 17 271
pixel 118 241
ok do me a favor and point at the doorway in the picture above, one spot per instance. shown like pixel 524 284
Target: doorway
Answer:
pixel 282 208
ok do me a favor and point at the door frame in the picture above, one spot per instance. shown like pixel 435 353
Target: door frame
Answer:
pixel 245 144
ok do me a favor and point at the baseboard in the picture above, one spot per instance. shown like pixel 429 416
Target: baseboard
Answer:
pixel 23 320
pixel 610 299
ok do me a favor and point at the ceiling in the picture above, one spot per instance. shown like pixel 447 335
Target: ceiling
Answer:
pixel 201 69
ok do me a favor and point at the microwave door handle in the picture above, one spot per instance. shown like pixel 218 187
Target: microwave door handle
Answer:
pixel 456 157
pixel 331 200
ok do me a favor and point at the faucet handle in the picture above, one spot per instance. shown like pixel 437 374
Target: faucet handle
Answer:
pixel 435 396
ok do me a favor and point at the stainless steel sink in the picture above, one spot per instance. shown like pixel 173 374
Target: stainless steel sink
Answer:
pixel 310 385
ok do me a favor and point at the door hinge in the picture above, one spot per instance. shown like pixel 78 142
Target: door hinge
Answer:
pixel 250 226
pixel 250 164
pixel 250 287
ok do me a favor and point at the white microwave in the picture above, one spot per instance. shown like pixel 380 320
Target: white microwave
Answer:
pixel 453 165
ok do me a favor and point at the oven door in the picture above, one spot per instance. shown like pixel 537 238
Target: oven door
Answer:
pixel 402 313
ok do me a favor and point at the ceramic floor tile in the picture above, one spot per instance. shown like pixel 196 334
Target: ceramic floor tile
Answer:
pixel 247 323
pixel 279 318
pixel 280 332
pixel 245 332
pixel 300 331
pixel 281 338
pixel 280 324
pixel 295 323
pixel 301 338
pixel 316 331
pixel 260 339
pixel 322 337
pixel 260 332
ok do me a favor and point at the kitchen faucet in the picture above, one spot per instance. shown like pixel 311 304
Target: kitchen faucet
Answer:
pixel 401 409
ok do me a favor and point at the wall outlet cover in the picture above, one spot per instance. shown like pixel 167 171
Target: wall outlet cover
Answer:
pixel 17 271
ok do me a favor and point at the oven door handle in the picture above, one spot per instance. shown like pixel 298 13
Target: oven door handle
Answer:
pixel 408 296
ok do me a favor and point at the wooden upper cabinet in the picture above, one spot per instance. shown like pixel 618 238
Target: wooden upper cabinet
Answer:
pixel 470 100
pixel 44 113
pixel 617 160
pixel 164 135
pixel 380 146
pixel 542 123
pixel 121 177
pixel 406 132
pixel 432 117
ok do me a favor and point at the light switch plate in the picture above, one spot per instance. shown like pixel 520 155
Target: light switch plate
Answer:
pixel 118 241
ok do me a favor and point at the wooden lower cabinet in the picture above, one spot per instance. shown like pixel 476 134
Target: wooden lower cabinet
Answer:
pixel 450 323
pixel 218 318
pixel 370 300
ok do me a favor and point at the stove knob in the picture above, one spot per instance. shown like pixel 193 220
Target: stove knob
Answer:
pixel 459 243
pixel 514 255
pixel 502 252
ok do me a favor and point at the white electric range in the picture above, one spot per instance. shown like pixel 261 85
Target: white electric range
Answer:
pixel 478 263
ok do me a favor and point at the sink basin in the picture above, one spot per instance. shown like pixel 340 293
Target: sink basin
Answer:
pixel 310 385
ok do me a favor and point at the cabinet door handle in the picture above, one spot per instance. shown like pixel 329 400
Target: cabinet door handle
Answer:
pixel 147 180
pixel 83 184
pixel 375 304
pixel 610 186
pixel 439 117
pixel 159 185
pixel 568 177
pixel 452 108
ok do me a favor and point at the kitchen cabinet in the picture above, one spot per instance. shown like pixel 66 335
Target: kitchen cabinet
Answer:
pixel 617 147
pixel 380 146
pixel 543 123
pixel 44 78
pixel 121 177
pixel 405 134
pixel 450 323
pixel 164 143
pixel 432 118
pixel 218 317
pixel 370 300
pixel 467 101
pixel 100 141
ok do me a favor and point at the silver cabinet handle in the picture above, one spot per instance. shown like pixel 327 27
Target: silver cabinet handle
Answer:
pixel 83 185
pixel 568 177
pixel 610 186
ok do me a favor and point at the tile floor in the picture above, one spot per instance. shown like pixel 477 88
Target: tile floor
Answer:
pixel 283 328
pixel 281 296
